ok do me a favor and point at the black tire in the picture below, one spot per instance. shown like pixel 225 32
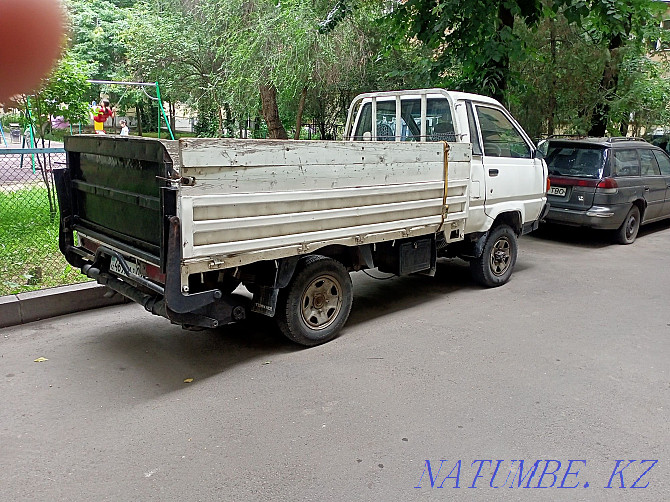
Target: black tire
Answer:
pixel 494 267
pixel 315 305
pixel 628 230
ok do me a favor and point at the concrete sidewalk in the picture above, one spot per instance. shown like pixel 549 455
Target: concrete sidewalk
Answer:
pixel 44 303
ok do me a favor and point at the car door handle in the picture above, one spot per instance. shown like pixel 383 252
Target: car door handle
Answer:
pixel 493 172
pixel 646 189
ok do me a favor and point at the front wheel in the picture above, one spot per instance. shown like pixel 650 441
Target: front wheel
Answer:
pixel 494 266
pixel 316 303
pixel 627 232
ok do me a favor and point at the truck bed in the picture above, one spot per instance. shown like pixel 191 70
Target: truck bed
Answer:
pixel 241 201
pixel 263 199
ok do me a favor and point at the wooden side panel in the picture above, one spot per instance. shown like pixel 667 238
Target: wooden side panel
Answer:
pixel 262 197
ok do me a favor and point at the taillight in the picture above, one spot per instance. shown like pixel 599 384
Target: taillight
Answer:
pixel 154 273
pixel 607 185
pixel 548 184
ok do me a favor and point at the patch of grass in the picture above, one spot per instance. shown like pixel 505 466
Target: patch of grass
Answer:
pixel 29 254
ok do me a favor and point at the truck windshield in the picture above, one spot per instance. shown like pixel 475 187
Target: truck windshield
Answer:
pixel 439 123
pixel 584 161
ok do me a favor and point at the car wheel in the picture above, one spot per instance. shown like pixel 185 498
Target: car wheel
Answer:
pixel 494 267
pixel 317 301
pixel 631 225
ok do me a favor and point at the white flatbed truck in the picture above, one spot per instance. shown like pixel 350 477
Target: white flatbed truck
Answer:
pixel 177 226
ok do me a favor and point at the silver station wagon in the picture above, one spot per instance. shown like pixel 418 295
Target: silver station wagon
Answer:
pixel 607 183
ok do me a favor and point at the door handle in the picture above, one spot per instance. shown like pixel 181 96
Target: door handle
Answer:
pixel 646 189
pixel 493 172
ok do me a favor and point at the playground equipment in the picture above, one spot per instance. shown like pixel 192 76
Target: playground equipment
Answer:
pixel 143 86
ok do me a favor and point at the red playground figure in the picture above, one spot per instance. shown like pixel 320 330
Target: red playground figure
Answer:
pixel 99 119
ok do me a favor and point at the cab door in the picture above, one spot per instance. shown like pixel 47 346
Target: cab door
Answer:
pixel 514 179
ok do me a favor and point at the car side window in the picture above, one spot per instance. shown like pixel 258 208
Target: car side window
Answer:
pixel 625 163
pixel 501 138
pixel 648 164
pixel 663 162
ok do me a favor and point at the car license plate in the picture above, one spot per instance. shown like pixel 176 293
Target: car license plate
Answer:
pixel 115 266
pixel 559 191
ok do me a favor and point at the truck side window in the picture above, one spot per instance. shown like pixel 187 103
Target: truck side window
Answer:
pixel 501 138
pixel 474 134
pixel 439 124
pixel 364 122
pixel 410 112
pixel 385 121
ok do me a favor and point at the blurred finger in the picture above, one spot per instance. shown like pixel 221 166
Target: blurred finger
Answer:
pixel 32 33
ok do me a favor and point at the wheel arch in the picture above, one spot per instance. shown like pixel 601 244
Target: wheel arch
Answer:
pixel 642 206
pixel 511 218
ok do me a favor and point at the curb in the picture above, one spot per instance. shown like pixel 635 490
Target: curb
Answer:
pixel 45 303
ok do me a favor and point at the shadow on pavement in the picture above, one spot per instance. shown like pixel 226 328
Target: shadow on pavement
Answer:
pixel 375 298
pixel 162 355
pixel 589 237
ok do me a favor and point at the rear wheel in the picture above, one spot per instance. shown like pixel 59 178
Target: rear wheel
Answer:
pixel 631 225
pixel 316 303
pixel 494 266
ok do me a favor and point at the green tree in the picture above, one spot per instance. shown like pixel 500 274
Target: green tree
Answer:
pixel 622 28
pixel 96 28
pixel 642 100
pixel 557 84
pixel 472 43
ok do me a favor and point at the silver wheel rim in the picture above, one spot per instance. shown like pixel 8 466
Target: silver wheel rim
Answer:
pixel 321 302
pixel 501 256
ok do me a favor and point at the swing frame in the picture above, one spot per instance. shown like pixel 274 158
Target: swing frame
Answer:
pixel 143 85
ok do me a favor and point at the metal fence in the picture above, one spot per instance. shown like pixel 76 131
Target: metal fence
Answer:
pixel 29 255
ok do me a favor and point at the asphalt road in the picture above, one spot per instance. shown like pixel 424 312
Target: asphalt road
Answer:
pixel 567 362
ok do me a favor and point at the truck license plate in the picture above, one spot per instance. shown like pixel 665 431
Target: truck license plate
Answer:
pixel 560 191
pixel 115 266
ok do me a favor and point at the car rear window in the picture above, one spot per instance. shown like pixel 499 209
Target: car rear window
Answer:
pixel 583 161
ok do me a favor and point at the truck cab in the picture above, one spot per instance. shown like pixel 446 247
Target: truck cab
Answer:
pixel 508 178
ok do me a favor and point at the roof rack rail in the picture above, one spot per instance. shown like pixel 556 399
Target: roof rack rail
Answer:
pixel 614 139
pixel 566 136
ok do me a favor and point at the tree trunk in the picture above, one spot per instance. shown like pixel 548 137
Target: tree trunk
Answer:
pixel 138 112
pixel 301 107
pixel 271 112
pixel 500 69
pixel 173 116
pixel 554 80
pixel 608 87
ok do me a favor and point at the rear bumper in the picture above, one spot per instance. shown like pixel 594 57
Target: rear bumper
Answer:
pixel 208 309
pixel 223 310
pixel 600 217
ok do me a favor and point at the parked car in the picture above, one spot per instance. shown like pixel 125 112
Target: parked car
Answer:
pixel 608 183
